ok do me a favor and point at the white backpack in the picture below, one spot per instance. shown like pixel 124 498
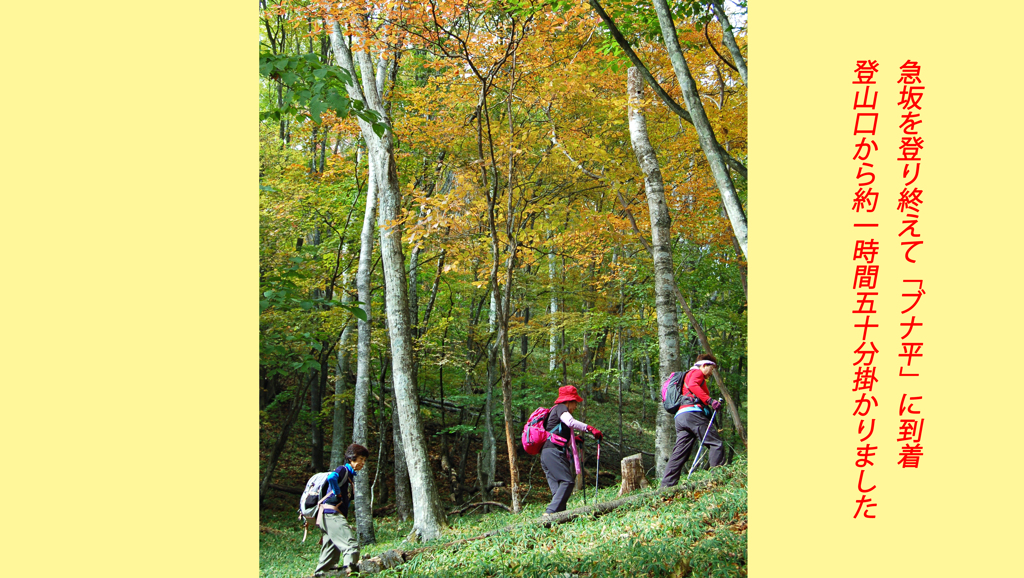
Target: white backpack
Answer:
pixel 311 503
pixel 317 490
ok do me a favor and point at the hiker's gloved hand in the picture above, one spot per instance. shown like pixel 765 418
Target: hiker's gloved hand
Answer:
pixel 715 404
pixel 595 432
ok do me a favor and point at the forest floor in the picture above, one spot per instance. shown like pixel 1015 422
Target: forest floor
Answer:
pixel 695 533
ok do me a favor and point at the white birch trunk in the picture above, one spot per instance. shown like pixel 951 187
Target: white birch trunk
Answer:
pixel 428 518
pixel 403 497
pixel 339 437
pixel 661 249
pixel 553 309
pixel 360 414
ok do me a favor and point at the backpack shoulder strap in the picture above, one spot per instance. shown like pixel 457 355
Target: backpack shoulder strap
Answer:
pixel 686 391
pixel 346 478
pixel 557 425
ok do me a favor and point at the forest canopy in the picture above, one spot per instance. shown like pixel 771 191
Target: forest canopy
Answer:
pixel 456 203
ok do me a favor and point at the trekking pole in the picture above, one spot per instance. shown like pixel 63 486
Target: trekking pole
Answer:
pixel 584 492
pixel 701 447
pixel 597 476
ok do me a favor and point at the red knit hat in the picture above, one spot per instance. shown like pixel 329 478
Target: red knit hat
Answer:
pixel 567 393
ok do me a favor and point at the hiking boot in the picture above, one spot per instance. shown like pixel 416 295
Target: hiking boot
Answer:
pixel 352 569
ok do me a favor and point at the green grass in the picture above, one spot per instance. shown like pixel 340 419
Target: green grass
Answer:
pixel 649 538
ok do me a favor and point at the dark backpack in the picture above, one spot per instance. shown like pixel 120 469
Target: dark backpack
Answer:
pixel 672 392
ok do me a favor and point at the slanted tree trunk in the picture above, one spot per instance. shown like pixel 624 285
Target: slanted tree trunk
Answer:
pixel 705 134
pixel 632 474
pixel 729 401
pixel 661 251
pixel 729 38
pixel 282 439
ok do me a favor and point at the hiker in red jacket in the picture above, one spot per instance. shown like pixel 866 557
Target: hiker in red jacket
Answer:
pixel 559 448
pixel 691 422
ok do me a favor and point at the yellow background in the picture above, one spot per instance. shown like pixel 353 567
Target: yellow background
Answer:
pixel 129 347
pixel 128 223
pixel 957 514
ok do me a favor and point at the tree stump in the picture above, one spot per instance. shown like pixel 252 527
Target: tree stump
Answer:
pixel 633 474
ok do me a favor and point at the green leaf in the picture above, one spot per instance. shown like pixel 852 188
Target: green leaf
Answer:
pixel 358 313
pixel 316 108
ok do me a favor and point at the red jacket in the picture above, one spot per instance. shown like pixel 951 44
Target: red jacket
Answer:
pixel 694 386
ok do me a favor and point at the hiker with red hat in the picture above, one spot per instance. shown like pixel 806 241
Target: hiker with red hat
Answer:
pixel 560 445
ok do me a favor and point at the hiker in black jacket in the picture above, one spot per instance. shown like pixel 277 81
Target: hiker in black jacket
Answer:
pixel 559 448
pixel 338 539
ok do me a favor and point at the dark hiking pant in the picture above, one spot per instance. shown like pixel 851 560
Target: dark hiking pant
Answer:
pixel 561 477
pixel 690 428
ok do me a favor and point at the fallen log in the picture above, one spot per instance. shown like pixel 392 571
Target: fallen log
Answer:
pixel 393 558
pixel 296 491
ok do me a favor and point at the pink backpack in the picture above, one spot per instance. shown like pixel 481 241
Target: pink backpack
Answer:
pixel 534 434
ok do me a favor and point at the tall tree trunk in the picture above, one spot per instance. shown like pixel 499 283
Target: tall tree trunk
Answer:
pixel 506 382
pixel 705 134
pixel 364 515
pixel 316 433
pixel 553 309
pixel 730 39
pixel 428 517
pixel 339 437
pixel 414 307
pixel 661 250
pixel 627 377
pixel 403 491
pixel 489 451
pixel 622 446
pixel 318 380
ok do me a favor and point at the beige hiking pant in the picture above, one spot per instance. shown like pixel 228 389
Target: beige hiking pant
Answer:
pixel 338 540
